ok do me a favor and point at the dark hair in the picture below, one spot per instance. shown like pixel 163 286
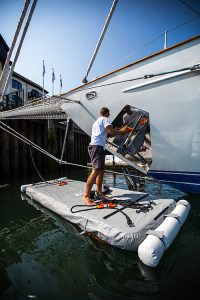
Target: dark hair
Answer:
pixel 104 111
pixel 126 107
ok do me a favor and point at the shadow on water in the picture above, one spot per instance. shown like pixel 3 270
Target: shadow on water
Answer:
pixel 45 255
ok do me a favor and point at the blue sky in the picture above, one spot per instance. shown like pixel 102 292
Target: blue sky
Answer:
pixel 64 34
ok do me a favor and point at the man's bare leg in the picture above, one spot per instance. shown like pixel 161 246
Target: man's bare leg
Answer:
pixel 99 182
pixel 91 180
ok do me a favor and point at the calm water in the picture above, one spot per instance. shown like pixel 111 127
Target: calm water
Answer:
pixel 45 256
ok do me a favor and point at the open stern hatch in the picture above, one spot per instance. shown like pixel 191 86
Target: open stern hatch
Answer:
pixel 166 86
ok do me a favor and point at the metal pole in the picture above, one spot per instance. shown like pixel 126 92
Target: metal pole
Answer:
pixel 43 80
pixel 100 40
pixel 60 84
pixel 53 78
pixel 43 88
pixel 64 142
pixel 20 45
pixel 6 65
pixel 165 44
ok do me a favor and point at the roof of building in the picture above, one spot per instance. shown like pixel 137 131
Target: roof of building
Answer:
pixel 3 50
pixel 17 75
pixel 3 42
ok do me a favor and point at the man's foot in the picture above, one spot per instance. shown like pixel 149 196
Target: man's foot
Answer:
pixel 88 201
pixel 102 196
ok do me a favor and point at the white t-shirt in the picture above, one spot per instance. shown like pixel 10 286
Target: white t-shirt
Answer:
pixel 135 114
pixel 99 134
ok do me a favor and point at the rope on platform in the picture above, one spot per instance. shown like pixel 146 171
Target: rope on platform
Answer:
pixel 16 134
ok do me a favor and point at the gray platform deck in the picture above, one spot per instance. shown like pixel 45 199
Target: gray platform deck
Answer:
pixel 114 230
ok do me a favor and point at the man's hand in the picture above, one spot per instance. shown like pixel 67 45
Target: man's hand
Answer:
pixel 113 132
pixel 124 130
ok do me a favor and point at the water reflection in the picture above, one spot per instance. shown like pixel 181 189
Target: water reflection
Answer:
pixel 53 258
pixel 46 256
pixel 49 258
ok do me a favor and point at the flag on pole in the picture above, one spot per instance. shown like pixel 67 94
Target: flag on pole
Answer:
pixel 43 68
pixel 60 82
pixel 53 79
pixel 53 75
pixel 43 72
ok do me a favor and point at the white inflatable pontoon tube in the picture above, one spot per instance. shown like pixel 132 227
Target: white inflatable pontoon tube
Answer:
pixel 152 248
pixel 24 187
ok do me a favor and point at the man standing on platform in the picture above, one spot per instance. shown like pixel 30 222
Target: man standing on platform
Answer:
pixel 101 127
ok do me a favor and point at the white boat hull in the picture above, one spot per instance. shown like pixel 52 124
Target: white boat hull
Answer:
pixel 172 101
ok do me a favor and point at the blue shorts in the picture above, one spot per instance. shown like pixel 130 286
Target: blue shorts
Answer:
pixel 97 156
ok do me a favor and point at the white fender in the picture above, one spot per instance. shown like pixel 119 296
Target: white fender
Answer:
pixel 24 187
pixel 152 248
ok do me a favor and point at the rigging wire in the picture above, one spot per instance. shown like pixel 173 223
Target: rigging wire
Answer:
pixel 6 64
pixel 150 42
pixel 192 68
pixel 31 153
pixel 186 22
pixel 190 7
pixel 33 5
pixel 27 141
pixel 100 39
pixel 134 52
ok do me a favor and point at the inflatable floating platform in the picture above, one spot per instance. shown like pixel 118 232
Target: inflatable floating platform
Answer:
pixel 130 220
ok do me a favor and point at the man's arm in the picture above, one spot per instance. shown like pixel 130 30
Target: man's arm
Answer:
pixel 114 132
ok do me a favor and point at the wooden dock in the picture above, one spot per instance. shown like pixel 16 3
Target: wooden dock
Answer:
pixel 15 154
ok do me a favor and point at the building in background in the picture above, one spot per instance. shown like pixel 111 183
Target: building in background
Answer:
pixel 20 89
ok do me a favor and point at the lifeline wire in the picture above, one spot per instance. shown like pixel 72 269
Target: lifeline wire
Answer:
pixel 147 76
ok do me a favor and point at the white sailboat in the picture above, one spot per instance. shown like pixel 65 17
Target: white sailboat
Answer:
pixel 166 85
